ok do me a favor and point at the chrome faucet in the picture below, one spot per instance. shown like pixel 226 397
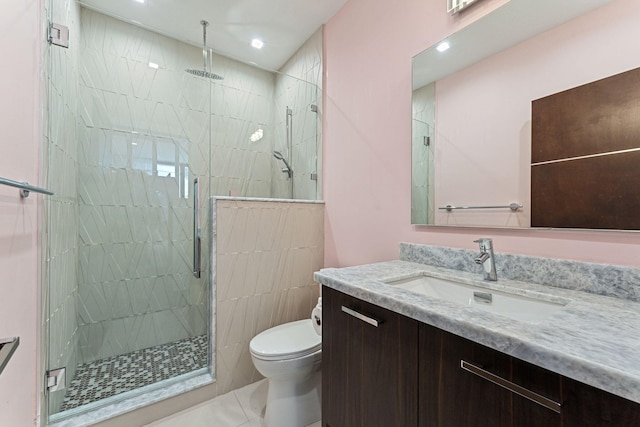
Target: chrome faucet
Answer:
pixel 486 259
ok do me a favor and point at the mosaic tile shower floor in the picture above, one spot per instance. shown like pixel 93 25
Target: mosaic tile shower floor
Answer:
pixel 118 374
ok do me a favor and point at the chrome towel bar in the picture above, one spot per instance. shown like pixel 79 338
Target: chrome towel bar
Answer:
pixel 24 187
pixel 513 206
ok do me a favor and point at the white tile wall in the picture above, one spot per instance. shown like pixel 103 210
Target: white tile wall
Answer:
pixel 134 118
pixel 266 253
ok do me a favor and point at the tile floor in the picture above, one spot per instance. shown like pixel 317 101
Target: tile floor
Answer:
pixel 239 408
pixel 114 375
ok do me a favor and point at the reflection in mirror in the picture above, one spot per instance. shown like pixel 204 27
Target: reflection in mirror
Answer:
pixel 480 109
pixel 585 150
pixel 423 121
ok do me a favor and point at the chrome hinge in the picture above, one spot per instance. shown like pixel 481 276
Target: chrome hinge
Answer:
pixel 314 176
pixel 58 35
pixel 314 108
pixel 56 379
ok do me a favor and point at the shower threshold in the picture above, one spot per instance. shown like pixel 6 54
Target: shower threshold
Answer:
pixel 108 377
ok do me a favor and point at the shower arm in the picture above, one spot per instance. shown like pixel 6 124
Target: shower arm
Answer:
pixel 204 24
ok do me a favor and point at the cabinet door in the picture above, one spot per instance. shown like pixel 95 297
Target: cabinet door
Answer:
pixel 451 396
pixel 584 405
pixel 369 373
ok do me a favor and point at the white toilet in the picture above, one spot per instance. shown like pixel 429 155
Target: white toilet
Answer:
pixel 289 356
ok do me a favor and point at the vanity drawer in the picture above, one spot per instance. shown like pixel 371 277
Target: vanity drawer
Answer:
pixel 463 383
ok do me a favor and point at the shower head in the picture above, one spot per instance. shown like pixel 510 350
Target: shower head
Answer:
pixel 287 169
pixel 204 73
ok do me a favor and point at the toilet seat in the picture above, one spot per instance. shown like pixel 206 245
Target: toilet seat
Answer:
pixel 287 341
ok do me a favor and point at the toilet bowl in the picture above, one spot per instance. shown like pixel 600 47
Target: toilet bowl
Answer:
pixel 289 356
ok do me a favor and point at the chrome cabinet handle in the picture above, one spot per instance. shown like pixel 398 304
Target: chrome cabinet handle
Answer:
pixel 514 388
pixel 367 319
pixel 197 244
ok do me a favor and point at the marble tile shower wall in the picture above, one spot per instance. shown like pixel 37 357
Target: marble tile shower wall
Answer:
pixel 59 243
pixel 144 135
pixel 242 104
pixel 299 93
pixel 266 253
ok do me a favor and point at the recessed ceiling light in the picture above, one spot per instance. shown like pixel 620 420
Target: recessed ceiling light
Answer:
pixel 139 1
pixel 443 46
pixel 257 43
pixel 153 65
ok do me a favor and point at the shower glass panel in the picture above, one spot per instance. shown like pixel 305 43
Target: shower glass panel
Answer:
pixel 125 141
pixel 250 124
pixel 296 138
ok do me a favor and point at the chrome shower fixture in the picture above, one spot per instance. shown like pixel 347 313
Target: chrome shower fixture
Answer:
pixel 204 73
pixel 287 169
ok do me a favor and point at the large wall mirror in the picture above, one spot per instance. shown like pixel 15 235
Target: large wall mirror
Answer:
pixel 471 115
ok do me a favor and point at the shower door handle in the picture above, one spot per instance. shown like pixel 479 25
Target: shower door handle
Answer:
pixel 197 243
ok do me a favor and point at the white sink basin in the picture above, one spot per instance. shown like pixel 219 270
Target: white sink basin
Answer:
pixel 526 309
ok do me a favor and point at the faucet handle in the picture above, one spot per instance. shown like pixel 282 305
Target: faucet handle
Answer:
pixel 485 243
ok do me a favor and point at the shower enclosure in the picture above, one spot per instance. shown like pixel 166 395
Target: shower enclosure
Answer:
pixel 129 130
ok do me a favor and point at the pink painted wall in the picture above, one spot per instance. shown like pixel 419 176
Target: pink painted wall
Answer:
pixel 367 133
pixel 20 132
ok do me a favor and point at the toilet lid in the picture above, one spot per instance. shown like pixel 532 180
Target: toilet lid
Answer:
pixel 286 341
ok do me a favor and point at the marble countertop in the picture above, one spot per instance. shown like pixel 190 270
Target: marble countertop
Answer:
pixel 594 339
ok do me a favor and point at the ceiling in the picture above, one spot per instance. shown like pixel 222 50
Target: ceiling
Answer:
pixel 510 24
pixel 283 25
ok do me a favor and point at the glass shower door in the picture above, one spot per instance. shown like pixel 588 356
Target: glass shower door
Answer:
pixel 128 131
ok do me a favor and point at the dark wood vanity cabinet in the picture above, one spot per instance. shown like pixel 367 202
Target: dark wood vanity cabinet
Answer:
pixel 451 396
pixel 369 359
pixel 406 373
